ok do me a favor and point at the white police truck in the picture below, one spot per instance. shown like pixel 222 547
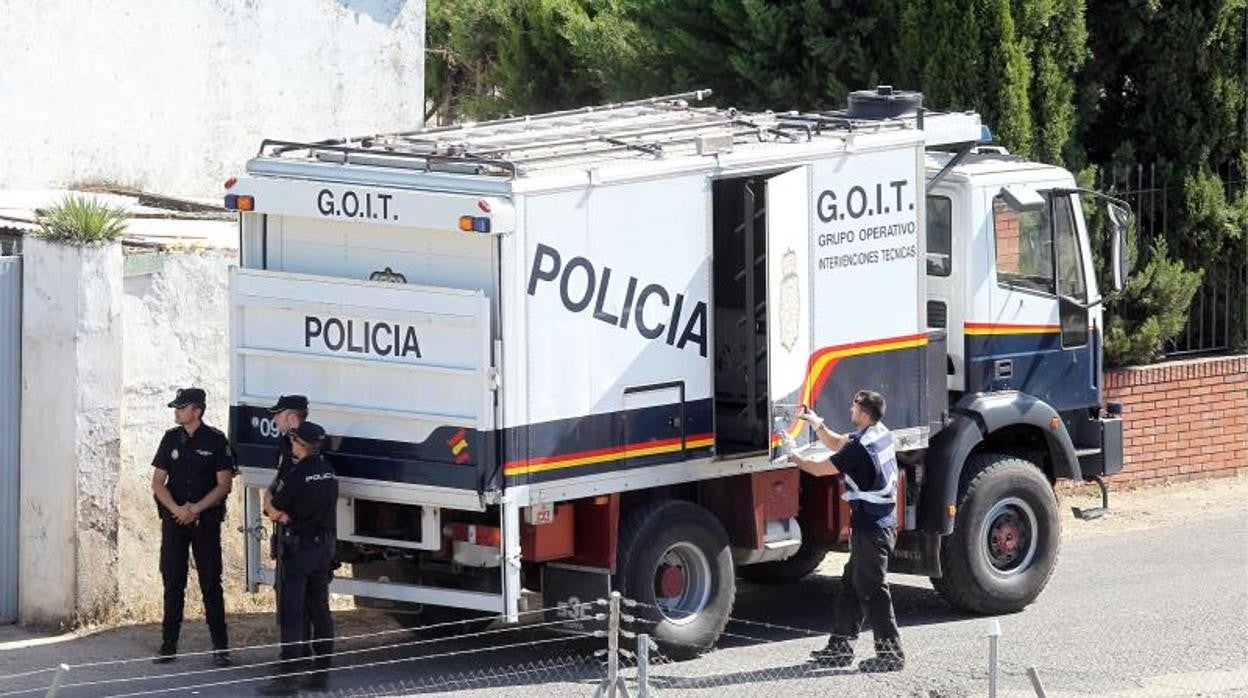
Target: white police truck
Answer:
pixel 561 354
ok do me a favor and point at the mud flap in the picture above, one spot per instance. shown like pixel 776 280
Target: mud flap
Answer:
pixel 574 591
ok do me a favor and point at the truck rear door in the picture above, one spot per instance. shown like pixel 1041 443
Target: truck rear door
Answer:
pixel 401 375
pixel 380 305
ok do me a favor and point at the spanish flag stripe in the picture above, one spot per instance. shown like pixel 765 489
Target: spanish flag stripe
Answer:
pixel 604 455
pixel 824 360
pixel 987 328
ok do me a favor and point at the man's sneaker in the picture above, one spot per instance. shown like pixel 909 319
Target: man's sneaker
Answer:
pixel 221 658
pixel 166 654
pixel 838 653
pixel 888 657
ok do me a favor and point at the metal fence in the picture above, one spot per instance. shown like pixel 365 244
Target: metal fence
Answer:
pixel 541 658
pixel 1219 310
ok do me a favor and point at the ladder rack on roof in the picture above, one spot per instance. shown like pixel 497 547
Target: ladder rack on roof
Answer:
pixel 656 127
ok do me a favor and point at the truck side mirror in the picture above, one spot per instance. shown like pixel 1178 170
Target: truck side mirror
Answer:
pixel 1120 221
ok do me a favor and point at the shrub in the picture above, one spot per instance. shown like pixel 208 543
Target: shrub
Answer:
pixel 82 220
pixel 1152 308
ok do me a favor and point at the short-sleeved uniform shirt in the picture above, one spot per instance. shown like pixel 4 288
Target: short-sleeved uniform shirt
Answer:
pixel 854 460
pixel 308 491
pixel 191 463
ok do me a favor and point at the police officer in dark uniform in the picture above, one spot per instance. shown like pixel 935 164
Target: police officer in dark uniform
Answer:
pixel 867 460
pixel 289 412
pixel 194 470
pixel 304 500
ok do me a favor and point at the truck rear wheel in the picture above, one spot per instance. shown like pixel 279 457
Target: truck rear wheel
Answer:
pixel 1005 538
pixel 794 569
pixel 674 558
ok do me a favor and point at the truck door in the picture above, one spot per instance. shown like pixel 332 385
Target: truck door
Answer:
pixel 399 374
pixel 788 301
pixel 1037 338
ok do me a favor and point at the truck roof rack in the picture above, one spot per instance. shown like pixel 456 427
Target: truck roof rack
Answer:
pixel 656 127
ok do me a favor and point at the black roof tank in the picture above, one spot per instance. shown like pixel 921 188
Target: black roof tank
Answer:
pixel 883 103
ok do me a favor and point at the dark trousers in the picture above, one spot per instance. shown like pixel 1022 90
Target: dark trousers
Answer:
pixel 864 590
pixel 305 570
pixel 203 539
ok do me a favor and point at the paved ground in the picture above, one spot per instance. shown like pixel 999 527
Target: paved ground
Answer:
pixel 1151 601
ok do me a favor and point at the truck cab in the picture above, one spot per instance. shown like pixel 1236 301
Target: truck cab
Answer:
pixel 1011 280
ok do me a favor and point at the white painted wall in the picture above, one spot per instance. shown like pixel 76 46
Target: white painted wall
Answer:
pixel 175 334
pixel 71 394
pixel 175 96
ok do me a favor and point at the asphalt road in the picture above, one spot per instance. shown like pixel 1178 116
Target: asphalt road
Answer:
pixel 1153 610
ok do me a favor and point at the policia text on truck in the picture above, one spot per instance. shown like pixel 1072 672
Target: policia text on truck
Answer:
pixel 614 314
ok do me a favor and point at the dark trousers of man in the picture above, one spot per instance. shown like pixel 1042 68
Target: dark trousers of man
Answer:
pixel 203 539
pixel 303 600
pixel 864 590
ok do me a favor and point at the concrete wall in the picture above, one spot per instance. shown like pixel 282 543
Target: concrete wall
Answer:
pixel 70 441
pixel 175 96
pixel 175 334
pixel 103 353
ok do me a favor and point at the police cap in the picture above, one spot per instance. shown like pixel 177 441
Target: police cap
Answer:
pixel 189 396
pixel 309 432
pixel 290 402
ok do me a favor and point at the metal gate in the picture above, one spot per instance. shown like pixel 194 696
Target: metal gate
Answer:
pixel 10 428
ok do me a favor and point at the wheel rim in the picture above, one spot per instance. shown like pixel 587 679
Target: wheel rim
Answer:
pixel 682 582
pixel 1008 537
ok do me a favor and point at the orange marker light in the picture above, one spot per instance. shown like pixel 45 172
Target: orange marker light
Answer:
pixel 1053 423
pixel 490 536
pixel 465 223
pixel 246 203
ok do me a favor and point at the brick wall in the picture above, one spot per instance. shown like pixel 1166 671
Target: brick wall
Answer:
pixel 1183 419
pixel 1007 230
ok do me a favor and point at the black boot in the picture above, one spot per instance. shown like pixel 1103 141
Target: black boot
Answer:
pixel 285 681
pixel 318 680
pixel 280 685
pixel 838 653
pixel 888 657
pixel 167 653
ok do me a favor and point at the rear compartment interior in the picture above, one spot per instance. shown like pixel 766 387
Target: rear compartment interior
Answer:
pixel 740 287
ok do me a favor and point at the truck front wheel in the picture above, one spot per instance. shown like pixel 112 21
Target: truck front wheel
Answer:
pixel 674 559
pixel 1005 538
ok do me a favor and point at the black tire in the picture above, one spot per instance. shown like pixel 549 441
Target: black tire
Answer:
pixel 692 619
pixel 794 569
pixel 1000 564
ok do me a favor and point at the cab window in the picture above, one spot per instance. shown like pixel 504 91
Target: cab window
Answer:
pixel 939 236
pixel 1024 247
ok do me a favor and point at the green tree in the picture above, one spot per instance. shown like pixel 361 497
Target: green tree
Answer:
pixel 461 38
pixel 1168 84
pixel 1151 310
